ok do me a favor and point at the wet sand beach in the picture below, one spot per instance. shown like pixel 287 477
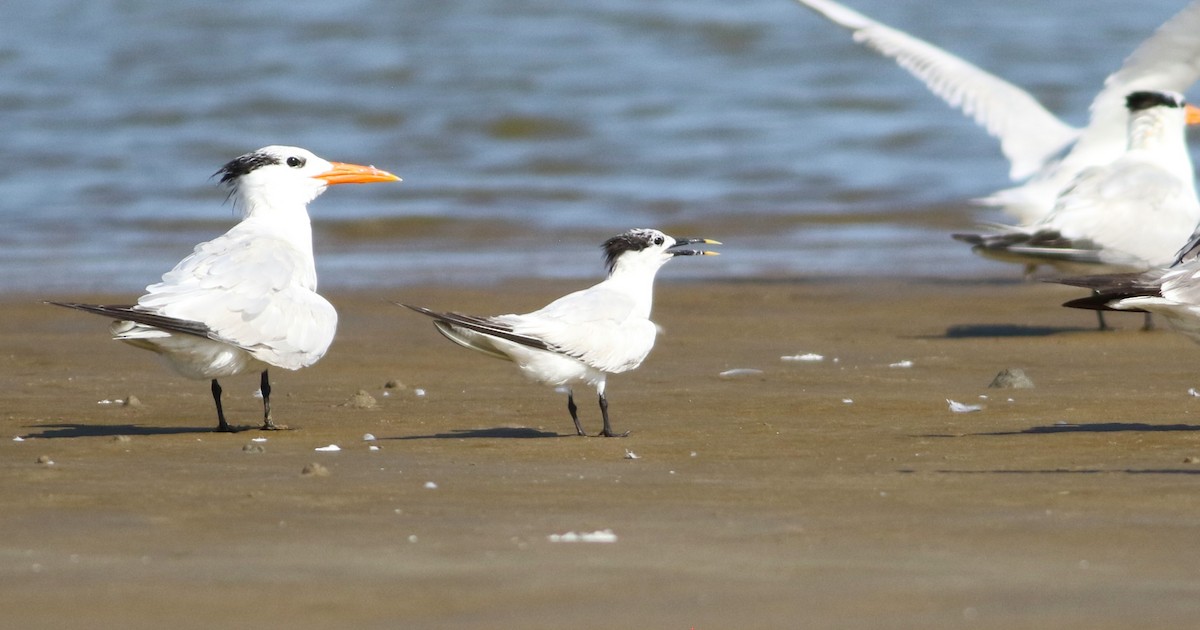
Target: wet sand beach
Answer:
pixel 835 493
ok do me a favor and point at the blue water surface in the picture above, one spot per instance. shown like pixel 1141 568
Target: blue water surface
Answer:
pixel 526 131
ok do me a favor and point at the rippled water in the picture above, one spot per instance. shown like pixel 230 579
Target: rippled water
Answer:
pixel 527 131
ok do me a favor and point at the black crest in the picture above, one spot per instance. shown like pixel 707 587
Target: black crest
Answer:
pixel 242 165
pixel 1137 101
pixel 631 241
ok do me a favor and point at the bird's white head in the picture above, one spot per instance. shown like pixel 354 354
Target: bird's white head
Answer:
pixel 282 178
pixel 645 250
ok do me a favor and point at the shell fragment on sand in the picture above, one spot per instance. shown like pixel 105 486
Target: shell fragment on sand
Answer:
pixel 958 407
pixel 599 536
pixel 807 357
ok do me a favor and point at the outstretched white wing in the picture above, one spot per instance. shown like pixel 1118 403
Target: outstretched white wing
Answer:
pixel 1168 60
pixel 1030 136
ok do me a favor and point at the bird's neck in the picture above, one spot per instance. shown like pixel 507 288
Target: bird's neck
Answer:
pixel 289 222
pixel 290 225
pixel 637 283
pixel 1157 130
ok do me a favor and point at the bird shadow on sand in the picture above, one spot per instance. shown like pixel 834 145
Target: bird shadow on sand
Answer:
pixel 1097 427
pixel 1093 427
pixel 74 430
pixel 495 432
pixel 988 331
pixel 1075 471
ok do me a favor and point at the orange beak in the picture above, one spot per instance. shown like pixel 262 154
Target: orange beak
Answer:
pixel 1193 114
pixel 343 173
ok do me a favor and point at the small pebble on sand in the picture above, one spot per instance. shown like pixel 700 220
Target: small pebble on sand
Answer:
pixel 314 470
pixel 1011 378
pixel 361 399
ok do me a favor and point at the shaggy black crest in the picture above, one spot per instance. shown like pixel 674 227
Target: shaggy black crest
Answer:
pixel 631 241
pixel 242 165
pixel 1137 101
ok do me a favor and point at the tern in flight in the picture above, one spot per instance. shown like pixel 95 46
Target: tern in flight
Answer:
pixel 1043 151
pixel 1131 215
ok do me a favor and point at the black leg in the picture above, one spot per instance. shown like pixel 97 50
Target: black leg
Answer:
pixel 222 426
pixel 607 432
pixel 265 388
pixel 1148 323
pixel 1100 316
pixel 574 412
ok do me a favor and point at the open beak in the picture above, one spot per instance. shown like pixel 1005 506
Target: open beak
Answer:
pixel 1193 114
pixel 692 252
pixel 343 173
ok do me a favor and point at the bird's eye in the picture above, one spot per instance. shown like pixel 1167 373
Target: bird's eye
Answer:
pixel 658 240
pixel 295 162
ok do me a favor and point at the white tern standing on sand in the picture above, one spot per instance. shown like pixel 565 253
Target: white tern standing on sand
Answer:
pixel 248 299
pixel 1039 146
pixel 584 336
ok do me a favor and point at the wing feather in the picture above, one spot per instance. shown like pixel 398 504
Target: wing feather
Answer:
pixel 1168 60
pixel 481 325
pixel 1030 136
pixel 251 290
pixel 148 318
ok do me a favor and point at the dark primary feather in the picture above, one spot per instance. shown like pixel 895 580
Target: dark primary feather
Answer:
pixel 1188 252
pixel 483 326
pixel 1133 283
pixel 1100 302
pixel 130 313
pixel 1042 239
pixel 1110 288
pixel 1048 244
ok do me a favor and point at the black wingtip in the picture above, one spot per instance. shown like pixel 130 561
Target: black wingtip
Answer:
pixel 1101 302
pixel 970 239
pixel 420 309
